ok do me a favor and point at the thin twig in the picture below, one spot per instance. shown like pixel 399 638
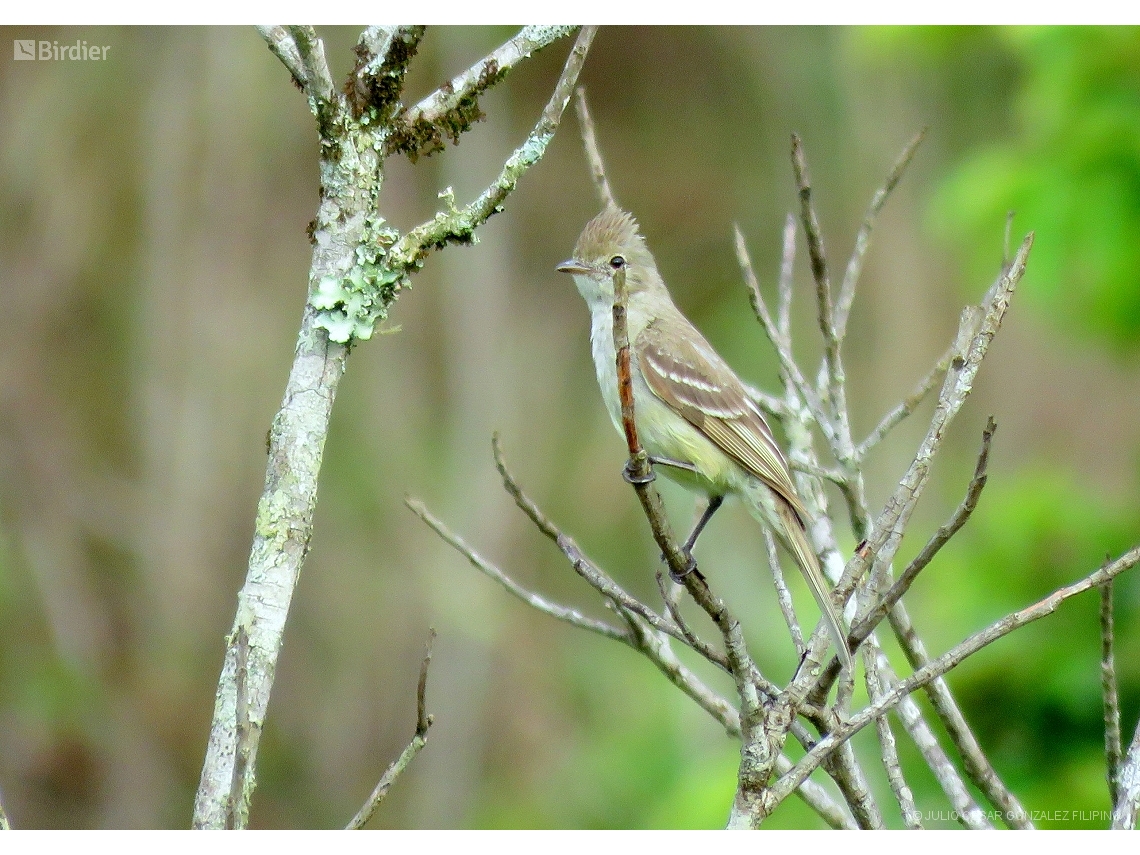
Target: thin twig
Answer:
pixel 419 740
pixel 1109 688
pixel 312 52
pixel 285 49
pixel 863 237
pixel 489 70
pixel 975 333
pixel 943 664
pixel 783 595
pixel 965 806
pixel 593 153
pixel 907 406
pixel 457 226
pixel 535 601
pixel 789 370
pixel 587 569
pixel 939 539
pixel 825 307
pixel 694 641
pixel 784 286
pixel 888 748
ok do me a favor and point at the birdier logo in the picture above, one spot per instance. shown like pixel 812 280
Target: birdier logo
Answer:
pixel 80 51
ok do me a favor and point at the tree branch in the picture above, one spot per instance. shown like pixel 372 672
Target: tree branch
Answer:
pixel 458 226
pixel 863 237
pixel 940 666
pixel 419 740
pixel 451 109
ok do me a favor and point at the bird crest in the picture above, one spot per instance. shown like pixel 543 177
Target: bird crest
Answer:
pixel 610 232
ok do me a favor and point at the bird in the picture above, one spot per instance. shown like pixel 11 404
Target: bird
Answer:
pixel 694 416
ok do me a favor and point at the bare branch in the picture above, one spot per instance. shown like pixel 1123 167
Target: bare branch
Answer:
pixel 789 370
pixel 312 52
pixel 907 406
pixel 939 539
pixel 562 613
pixel 593 153
pixel 876 688
pixel 784 286
pixel 783 595
pixel 912 718
pixel 940 666
pixel 863 237
pixel 975 332
pixel 419 740
pixel 285 49
pixel 458 226
pixel 454 107
pixel 833 367
pixel 382 57
pixel 1112 748
pixel 241 786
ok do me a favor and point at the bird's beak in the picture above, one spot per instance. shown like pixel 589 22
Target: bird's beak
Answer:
pixel 572 266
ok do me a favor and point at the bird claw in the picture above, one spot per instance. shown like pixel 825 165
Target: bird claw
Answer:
pixel 690 567
pixel 632 477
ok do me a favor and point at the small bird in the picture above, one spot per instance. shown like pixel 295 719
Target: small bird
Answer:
pixel 693 415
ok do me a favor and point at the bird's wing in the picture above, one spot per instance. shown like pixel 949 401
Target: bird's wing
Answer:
pixel 683 370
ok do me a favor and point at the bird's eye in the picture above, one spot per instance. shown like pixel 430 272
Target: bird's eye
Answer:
pixel 617 262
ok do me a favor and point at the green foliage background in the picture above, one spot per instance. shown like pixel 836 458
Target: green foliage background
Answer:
pixel 152 271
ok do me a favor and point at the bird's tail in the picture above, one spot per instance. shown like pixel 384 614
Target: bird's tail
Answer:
pixel 795 538
pixel 790 531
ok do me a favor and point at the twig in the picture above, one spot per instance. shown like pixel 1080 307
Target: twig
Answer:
pixel 587 569
pixel 825 308
pixel 907 406
pixel 285 49
pixel 1112 748
pixel 961 801
pixel 419 740
pixel 939 539
pixel 940 666
pixel 593 153
pixel 535 601
pixel 974 336
pixel 691 638
pixel 458 226
pixel 450 109
pixel 978 767
pixel 789 370
pixel 863 237
pixel 783 595
pixel 889 750
pixel 784 286
pixel 312 52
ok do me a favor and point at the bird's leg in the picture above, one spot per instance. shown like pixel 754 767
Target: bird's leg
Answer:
pixel 676 464
pixel 714 503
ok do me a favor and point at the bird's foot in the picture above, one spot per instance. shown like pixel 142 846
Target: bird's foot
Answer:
pixel 635 478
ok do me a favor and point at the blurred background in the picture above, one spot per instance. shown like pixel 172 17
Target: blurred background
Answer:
pixel 153 265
